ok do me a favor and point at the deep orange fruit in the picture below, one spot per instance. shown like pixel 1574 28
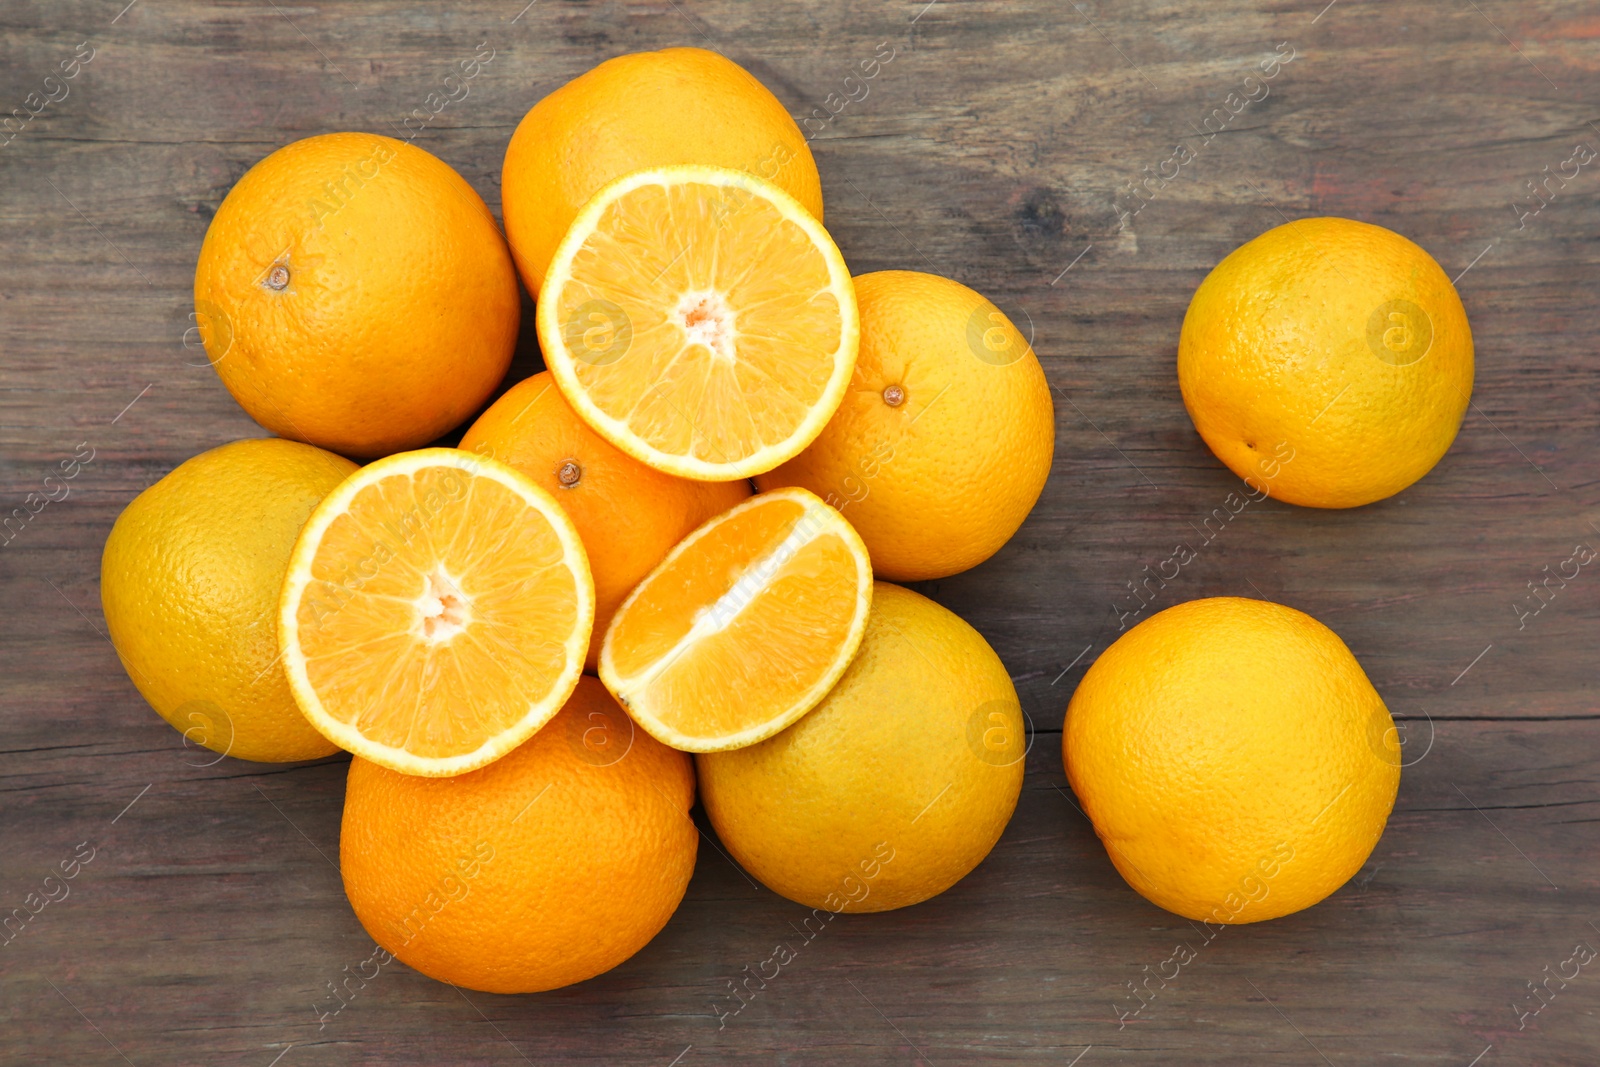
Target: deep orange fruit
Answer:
pixel 628 514
pixel 355 293
pixel 943 441
pixel 646 109
pixel 545 868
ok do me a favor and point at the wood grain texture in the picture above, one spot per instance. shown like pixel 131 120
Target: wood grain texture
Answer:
pixel 994 148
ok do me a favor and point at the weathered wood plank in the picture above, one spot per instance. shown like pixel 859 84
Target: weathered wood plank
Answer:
pixel 211 915
pixel 996 147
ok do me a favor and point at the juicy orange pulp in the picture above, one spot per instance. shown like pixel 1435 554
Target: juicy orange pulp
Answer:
pixel 436 612
pixel 744 627
pixel 701 320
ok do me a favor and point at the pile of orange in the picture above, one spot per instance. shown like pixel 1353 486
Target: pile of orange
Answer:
pixel 733 444
pixel 512 824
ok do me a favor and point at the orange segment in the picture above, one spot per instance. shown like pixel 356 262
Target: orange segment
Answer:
pixel 745 625
pixel 701 320
pixel 435 612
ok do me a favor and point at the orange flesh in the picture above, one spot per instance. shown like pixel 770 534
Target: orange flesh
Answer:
pixel 732 318
pixel 774 600
pixel 424 623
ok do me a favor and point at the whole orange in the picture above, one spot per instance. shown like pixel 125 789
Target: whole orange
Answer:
pixel 944 439
pixel 1328 361
pixel 189 583
pixel 1234 759
pixel 628 515
pixel 893 788
pixel 646 109
pixel 554 863
pixel 354 292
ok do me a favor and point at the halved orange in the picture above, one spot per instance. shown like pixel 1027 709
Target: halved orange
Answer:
pixel 435 612
pixel 744 627
pixel 700 320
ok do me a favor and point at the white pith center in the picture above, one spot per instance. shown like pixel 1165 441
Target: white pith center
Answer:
pixel 444 607
pixel 706 319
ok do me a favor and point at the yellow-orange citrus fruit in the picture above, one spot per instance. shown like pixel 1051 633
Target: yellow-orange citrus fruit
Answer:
pixel 744 626
pixel 353 291
pixel 435 611
pixel 1234 759
pixel 943 441
pixel 701 320
pixel 542 869
pixel 896 786
pixel 637 111
pixel 1328 361
pixel 628 514
pixel 189 582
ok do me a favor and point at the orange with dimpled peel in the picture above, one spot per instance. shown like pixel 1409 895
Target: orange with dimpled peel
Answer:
pixel 1329 358
pixel 1234 759
pixel 354 292
pixel 643 109
pixel 542 869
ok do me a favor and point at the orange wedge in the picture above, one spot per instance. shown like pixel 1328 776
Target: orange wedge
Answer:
pixel 436 612
pixel 700 320
pixel 744 627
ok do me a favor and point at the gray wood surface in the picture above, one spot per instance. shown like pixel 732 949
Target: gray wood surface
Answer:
pixel 995 148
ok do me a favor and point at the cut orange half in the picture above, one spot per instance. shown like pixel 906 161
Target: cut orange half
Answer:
pixel 744 627
pixel 436 612
pixel 701 320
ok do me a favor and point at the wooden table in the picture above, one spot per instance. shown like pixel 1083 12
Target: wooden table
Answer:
pixel 995 147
